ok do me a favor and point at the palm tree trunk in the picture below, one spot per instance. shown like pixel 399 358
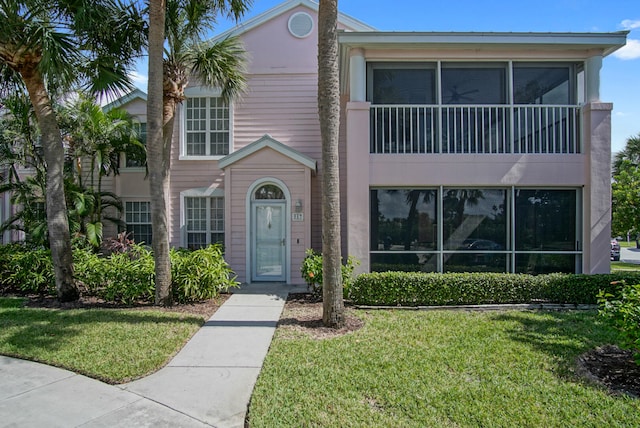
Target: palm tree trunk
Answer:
pixel 57 221
pixel 158 164
pixel 329 111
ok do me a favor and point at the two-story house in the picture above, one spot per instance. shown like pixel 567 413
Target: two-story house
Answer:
pixel 459 152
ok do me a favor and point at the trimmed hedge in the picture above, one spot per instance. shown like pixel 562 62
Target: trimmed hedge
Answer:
pixel 436 289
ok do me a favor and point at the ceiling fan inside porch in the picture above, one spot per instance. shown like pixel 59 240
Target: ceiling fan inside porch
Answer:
pixel 456 96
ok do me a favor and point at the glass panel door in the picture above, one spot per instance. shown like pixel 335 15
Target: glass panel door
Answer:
pixel 269 243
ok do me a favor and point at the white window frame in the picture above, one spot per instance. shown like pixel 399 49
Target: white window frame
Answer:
pixel 138 123
pixel 150 222
pixel 201 92
pixel 203 192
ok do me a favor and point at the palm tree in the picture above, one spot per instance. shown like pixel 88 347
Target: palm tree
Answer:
pixel 158 169
pixel 99 136
pixel 219 64
pixel 329 111
pixel 46 47
pixel 629 156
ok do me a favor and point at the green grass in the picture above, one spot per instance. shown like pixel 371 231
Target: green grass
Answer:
pixel 630 244
pixel 441 369
pixel 112 345
pixel 622 266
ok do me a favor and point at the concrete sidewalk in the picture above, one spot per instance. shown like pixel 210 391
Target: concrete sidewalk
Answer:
pixel 208 383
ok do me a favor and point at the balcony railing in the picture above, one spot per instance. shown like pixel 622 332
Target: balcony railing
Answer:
pixel 409 129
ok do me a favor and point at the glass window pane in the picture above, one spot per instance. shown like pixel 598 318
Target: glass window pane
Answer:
pixel 195 241
pixel 546 263
pixel 541 85
pixel 403 220
pixel 268 191
pixel 545 220
pixel 425 262
pixel 473 85
pixel 138 219
pixel 475 262
pixel 474 219
pixel 403 86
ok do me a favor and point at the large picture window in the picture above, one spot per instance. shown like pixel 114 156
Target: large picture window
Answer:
pixel 204 217
pixel 207 127
pixel 475 229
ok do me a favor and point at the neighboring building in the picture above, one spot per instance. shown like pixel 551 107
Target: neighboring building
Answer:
pixel 460 151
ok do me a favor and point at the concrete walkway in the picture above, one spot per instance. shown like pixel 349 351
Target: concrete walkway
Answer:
pixel 208 383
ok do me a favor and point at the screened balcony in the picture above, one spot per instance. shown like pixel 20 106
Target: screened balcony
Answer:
pixel 464 129
pixel 466 108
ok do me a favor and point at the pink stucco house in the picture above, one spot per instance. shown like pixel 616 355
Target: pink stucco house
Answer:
pixel 459 152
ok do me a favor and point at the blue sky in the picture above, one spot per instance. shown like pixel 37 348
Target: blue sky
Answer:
pixel 620 79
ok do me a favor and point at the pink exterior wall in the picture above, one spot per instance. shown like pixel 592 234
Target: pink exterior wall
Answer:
pixel 281 100
pixel 241 178
pixel 597 191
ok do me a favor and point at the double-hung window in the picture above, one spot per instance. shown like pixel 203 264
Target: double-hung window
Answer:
pixel 136 157
pixel 204 221
pixel 138 218
pixel 207 127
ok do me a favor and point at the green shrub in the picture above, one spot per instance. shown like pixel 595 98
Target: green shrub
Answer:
pixel 122 277
pixel 311 270
pixel 622 310
pixel 26 270
pixel 201 274
pixel 127 277
pixel 421 289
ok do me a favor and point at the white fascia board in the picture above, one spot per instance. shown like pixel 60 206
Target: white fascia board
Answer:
pixel 605 42
pixel 251 23
pixel 203 192
pixel 267 141
pixel 125 99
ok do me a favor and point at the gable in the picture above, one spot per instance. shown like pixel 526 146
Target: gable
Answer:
pixel 284 39
pixel 135 102
pixel 267 143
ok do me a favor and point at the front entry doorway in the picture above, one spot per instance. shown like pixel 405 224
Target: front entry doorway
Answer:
pixel 269 234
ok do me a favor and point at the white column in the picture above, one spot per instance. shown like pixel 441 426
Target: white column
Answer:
pixel 357 75
pixel 592 68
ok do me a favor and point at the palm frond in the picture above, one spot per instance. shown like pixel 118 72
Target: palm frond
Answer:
pixel 222 64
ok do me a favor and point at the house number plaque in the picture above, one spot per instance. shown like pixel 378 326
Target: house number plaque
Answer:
pixel 297 216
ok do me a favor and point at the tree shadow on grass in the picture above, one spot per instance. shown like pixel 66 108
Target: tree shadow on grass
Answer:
pixel 562 335
pixel 52 329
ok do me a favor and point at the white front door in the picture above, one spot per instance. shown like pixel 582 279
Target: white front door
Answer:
pixel 269 241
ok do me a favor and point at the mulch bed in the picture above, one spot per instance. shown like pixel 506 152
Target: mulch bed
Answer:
pixel 303 313
pixel 612 367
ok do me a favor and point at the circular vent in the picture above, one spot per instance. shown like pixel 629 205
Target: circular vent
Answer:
pixel 300 24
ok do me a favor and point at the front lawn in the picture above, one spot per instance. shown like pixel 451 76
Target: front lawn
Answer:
pixel 113 345
pixel 624 267
pixel 442 368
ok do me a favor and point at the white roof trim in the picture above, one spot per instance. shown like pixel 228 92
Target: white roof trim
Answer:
pixel 606 42
pixel 125 99
pixel 267 141
pixel 203 191
pixel 251 23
